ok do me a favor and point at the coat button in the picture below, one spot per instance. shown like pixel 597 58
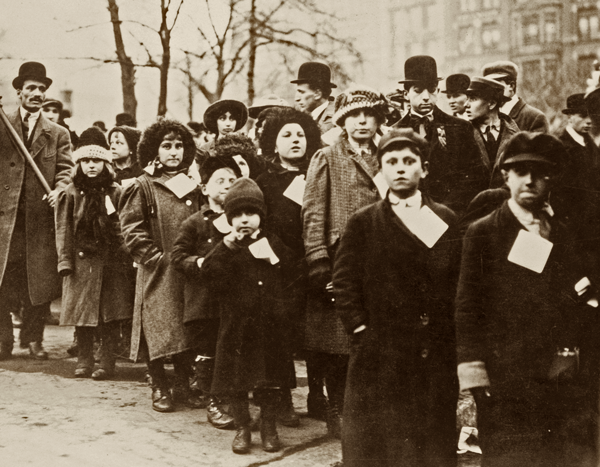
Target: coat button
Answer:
pixel 260 283
pixel 206 218
pixel 210 240
pixel 6 187
pixel 80 254
pixel 188 202
pixel 424 319
pixel 12 164
pixel 1 213
pixel 424 353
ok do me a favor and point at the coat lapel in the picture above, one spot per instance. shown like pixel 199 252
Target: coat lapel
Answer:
pixel 15 120
pixel 516 110
pixel 485 158
pixel 41 135
pixel 359 159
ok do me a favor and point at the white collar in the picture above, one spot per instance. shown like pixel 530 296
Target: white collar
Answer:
pixel 508 106
pixel 429 115
pixel 415 200
pixel 525 216
pixel 32 115
pixel 496 124
pixel 359 148
pixel 315 114
pixel 576 136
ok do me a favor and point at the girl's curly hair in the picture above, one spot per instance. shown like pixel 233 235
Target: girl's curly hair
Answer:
pixel 280 117
pixel 154 135
pixel 237 144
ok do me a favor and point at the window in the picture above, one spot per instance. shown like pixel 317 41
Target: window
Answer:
pixel 532 74
pixel 465 39
pixel 588 22
pixel 490 36
pixel 469 5
pixel 489 4
pixel 531 30
pixel 550 27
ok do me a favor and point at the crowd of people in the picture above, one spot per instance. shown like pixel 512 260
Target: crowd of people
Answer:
pixel 407 255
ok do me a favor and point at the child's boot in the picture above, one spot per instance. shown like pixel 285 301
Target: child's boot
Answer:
pixel 182 393
pixel 269 401
pixel 241 415
pixel 108 354
pixel 287 416
pixel 161 396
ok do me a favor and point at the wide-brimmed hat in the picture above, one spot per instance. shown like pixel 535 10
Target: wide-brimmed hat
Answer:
pixel 501 69
pixel 420 69
pixel 528 146
pixel 457 84
pixel 487 88
pixel 357 97
pixel 266 102
pixel 237 109
pixel 31 70
pixel 314 72
pixel 575 105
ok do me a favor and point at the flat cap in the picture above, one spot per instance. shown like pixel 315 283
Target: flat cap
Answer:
pixel 402 135
pixel 528 146
pixel 501 69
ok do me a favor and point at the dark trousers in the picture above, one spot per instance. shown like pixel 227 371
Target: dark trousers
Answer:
pixel 333 368
pixel 14 293
pixel 109 334
pixel 203 335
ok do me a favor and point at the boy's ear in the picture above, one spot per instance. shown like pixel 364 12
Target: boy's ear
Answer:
pixel 425 165
pixel 504 175
pixel 203 189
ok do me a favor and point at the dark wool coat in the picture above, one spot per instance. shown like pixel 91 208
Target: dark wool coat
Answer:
pixel 514 319
pixel 198 236
pixel 133 171
pixel 252 347
pixel 339 182
pixel 401 389
pixel 456 170
pixel 159 298
pixel 35 238
pixel 529 118
pixel 100 285
pixel 325 119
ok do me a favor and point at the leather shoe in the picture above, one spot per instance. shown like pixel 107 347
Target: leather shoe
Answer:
pixel 286 414
pixel 84 372
pixel 269 437
pixel 5 350
pixel 242 441
pixel 217 416
pixel 37 351
pixel 161 400
pixel 316 405
pixel 101 374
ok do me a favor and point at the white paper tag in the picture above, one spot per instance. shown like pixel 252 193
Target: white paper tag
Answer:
pixel 530 251
pixel 427 226
pixel 127 181
pixel 110 208
pixel 181 185
pixel 381 184
pixel 149 169
pixel 295 191
pixel 262 250
pixel 582 285
pixel 222 224
pixel 593 302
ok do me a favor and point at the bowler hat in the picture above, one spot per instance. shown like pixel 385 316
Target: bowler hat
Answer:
pixel 31 70
pixel 575 105
pixel 487 88
pixel 457 84
pixel 528 146
pixel 405 136
pixel 314 72
pixel 264 103
pixel 238 111
pixel 420 69
pixel 500 70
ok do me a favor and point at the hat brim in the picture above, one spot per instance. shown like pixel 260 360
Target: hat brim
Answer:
pixel 17 83
pixel 303 81
pixel 527 157
pixel 213 112
pixel 408 81
pixel 454 91
pixel 254 112
pixel 579 110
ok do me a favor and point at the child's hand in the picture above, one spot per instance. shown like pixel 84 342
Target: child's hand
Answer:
pixel 234 240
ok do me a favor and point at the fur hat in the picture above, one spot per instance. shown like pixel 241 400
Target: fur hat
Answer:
pixel 131 135
pixel 212 164
pixel 244 194
pixel 153 136
pixel 92 151
pixel 527 146
pixel 358 97
pixel 238 111
pixel 92 136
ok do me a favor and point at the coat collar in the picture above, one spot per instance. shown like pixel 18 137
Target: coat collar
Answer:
pixel 359 159
pixel 41 133
pixel 516 110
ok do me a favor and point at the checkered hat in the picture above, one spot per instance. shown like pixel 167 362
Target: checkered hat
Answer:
pixel 357 97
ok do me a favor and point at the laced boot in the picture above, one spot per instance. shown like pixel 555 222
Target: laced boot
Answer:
pixel 269 401
pixel 85 356
pixel 108 357
pixel 217 416
pixel 286 414
pixel 182 393
pixel 161 399
pixel 243 437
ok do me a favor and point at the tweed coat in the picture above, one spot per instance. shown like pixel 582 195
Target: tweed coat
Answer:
pixel 339 182
pixel 325 119
pixel 100 285
pixel 401 388
pixel 198 236
pixel 456 169
pixel 253 343
pixel 51 151
pixel 529 118
pixel 159 297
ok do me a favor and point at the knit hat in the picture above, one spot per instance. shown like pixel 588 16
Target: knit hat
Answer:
pixel 357 97
pixel 131 135
pixel 92 151
pixel 92 136
pixel 244 194
pixel 212 164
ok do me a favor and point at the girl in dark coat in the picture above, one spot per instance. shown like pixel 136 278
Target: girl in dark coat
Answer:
pixel 247 274
pixel 92 260
pixel 288 140
pixel 123 142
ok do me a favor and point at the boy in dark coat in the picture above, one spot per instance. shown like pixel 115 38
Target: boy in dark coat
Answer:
pixel 199 234
pixel 394 283
pixel 247 274
pixel 526 332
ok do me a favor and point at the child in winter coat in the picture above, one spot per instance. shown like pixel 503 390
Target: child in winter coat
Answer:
pixel 247 273
pixel 199 234
pixel 151 212
pixel 92 260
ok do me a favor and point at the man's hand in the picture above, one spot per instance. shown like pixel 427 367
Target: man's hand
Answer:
pixel 52 197
pixel 319 275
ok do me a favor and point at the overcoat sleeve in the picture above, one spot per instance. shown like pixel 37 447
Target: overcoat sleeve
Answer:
pixel 183 255
pixel 65 231
pixel 64 161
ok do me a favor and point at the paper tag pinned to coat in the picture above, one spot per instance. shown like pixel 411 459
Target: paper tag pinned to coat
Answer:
pixel 181 185
pixel 295 191
pixel 381 184
pixel 582 287
pixel 427 226
pixel 222 224
pixel 110 208
pixel 262 250
pixel 149 169
pixel 127 181
pixel 530 251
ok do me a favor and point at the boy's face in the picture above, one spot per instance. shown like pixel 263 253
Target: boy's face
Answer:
pixel 422 97
pixel 92 167
pixel 477 107
pixel 245 222
pixel 218 185
pixel 529 183
pixel 118 146
pixel 403 170
pixel 457 101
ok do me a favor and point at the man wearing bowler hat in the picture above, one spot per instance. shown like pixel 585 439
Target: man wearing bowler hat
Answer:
pixel 313 91
pixel 28 260
pixel 527 118
pixel 454 163
pixel 456 87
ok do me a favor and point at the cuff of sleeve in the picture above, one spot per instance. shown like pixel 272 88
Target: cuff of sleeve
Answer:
pixel 472 375
pixel 64 265
pixel 360 328
pixel 317 256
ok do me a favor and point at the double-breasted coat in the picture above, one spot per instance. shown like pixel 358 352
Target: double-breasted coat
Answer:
pixel 401 389
pixel 35 238
pixel 252 294
pixel 159 297
pixel 99 289
pixel 339 182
